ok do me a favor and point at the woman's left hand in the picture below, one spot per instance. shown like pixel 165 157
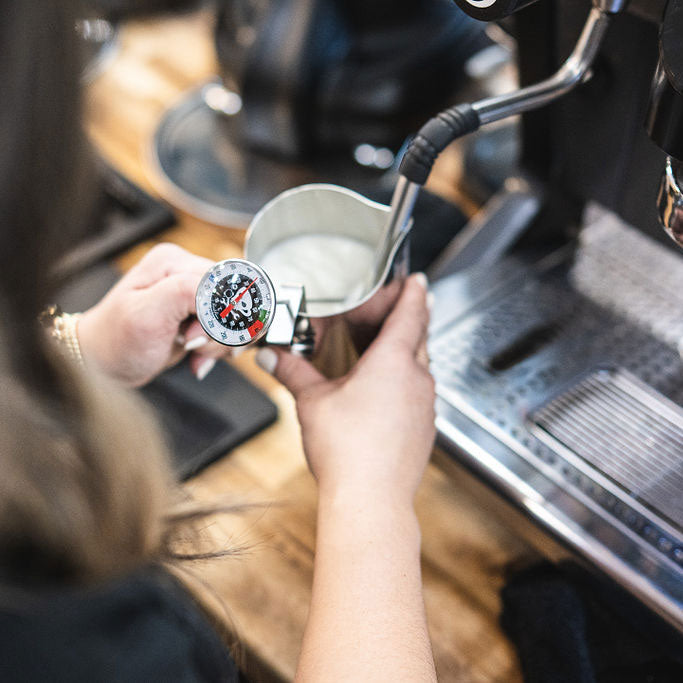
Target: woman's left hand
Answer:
pixel 144 325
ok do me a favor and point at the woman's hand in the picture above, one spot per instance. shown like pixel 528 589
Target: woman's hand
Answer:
pixel 143 325
pixel 370 432
pixel 367 438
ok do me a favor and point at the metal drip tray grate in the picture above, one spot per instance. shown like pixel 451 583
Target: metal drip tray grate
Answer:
pixel 560 380
pixel 630 434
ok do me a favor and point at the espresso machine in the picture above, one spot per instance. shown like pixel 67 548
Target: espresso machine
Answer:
pixel 557 330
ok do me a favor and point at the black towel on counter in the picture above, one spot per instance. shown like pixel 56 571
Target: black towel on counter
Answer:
pixel 570 627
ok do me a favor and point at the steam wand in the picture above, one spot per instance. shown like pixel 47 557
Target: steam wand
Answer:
pixel 462 119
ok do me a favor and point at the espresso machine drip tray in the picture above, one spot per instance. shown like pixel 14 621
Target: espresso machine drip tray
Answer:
pixel 621 429
pixel 560 382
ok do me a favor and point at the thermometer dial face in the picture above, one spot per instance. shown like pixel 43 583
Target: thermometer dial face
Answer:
pixel 235 302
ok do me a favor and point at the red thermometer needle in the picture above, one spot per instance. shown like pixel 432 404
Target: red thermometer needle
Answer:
pixel 227 310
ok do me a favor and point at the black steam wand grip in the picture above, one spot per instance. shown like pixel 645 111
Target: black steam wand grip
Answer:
pixel 414 170
pixel 433 138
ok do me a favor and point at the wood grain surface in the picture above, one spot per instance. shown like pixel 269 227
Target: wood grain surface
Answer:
pixel 263 593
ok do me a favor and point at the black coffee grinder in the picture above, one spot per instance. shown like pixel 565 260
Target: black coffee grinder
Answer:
pixel 309 90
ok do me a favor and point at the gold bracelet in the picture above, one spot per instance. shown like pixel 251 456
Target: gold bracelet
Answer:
pixel 63 327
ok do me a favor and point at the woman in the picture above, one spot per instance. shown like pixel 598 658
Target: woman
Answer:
pixel 85 493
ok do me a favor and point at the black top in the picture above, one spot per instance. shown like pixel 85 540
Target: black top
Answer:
pixel 143 627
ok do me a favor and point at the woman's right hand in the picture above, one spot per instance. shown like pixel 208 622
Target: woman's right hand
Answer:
pixel 369 433
pixel 367 437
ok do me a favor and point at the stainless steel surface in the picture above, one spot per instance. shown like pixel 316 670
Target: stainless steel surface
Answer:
pixel 560 382
pixel 398 222
pixel 670 201
pixel 572 72
pixel 199 164
pixel 610 5
pixel 566 514
pixel 629 433
pixel 289 300
pixel 200 169
pixel 322 208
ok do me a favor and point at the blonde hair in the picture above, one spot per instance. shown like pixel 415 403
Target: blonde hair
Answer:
pixel 87 494
pixel 85 482
pixel 85 485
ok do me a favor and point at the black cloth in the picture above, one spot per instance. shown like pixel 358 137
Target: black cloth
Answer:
pixel 143 627
pixel 570 627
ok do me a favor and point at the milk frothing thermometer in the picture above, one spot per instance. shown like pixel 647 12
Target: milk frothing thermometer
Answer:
pixel 235 302
pixel 237 305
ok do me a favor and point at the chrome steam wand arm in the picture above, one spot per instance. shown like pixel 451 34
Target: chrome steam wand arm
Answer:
pixel 574 71
pixel 462 119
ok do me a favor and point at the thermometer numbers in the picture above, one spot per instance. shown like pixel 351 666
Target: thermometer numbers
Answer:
pixel 235 302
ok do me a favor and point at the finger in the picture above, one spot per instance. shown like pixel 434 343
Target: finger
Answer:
pixel 212 349
pixel 422 355
pixel 296 373
pixel 175 295
pixel 195 339
pixel 163 260
pixel 194 336
pixel 375 311
pixel 406 325
pixel 201 366
pixel 176 355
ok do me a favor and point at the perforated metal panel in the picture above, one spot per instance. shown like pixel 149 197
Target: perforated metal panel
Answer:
pixel 573 364
pixel 628 433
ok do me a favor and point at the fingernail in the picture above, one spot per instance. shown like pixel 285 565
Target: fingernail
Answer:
pixel 195 343
pixel 238 351
pixel 267 359
pixel 204 368
pixel 421 278
pixel 430 300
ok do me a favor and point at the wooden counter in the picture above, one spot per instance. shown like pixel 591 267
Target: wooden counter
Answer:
pixel 466 548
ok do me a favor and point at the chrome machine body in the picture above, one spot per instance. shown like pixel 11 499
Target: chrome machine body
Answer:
pixel 559 380
pixel 557 357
